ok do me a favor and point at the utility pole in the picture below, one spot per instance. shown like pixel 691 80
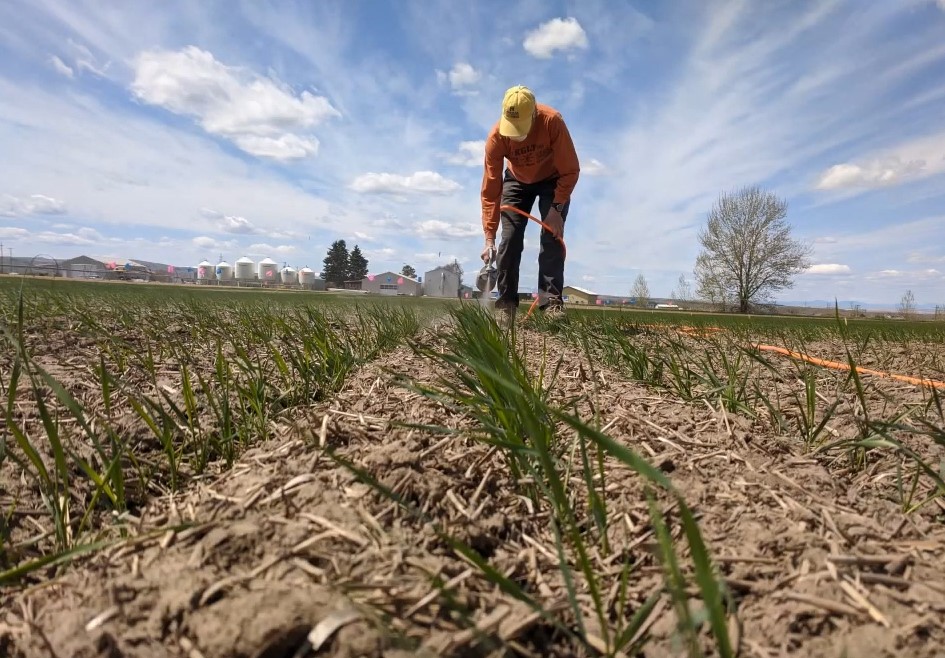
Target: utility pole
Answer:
pixel 1 258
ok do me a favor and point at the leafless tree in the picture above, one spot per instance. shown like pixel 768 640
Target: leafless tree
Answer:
pixel 907 304
pixel 683 291
pixel 747 250
pixel 640 290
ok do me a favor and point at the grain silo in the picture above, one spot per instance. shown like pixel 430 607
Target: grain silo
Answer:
pixel 224 271
pixel 306 277
pixel 245 269
pixel 267 270
pixel 289 275
pixel 205 273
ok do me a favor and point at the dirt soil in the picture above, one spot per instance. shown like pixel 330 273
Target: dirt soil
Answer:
pixel 822 562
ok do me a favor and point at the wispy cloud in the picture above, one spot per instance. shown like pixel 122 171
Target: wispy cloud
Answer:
pixel 828 268
pixel 172 109
pixel 60 67
pixel 81 237
pixel 421 182
pixel 438 229
pixel 558 34
pixel 469 154
pixel 262 116
pixel 263 248
pixel 35 204
pixel 593 167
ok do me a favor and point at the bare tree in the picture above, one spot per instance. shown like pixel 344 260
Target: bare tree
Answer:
pixel 456 267
pixel 640 290
pixel 683 291
pixel 907 305
pixel 747 250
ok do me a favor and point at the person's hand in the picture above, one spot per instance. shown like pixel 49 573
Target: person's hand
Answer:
pixel 488 250
pixel 555 223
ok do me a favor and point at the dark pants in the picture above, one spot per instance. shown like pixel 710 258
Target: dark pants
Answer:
pixel 509 254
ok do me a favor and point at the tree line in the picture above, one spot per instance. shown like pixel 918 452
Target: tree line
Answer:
pixel 339 265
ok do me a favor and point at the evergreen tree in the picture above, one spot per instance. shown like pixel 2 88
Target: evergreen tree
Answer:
pixel 335 269
pixel 357 265
pixel 408 271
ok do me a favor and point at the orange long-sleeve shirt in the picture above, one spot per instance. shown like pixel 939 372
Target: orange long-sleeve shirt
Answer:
pixel 547 151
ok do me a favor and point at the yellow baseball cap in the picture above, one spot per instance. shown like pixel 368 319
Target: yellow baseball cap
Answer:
pixel 518 110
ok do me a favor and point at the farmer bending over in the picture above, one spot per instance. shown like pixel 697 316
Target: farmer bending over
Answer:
pixel 542 164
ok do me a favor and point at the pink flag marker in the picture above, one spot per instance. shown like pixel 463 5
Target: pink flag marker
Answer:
pixel 400 281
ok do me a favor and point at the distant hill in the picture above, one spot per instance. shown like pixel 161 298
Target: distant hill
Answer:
pixel 847 304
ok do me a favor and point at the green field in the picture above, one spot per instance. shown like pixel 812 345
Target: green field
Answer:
pixel 585 439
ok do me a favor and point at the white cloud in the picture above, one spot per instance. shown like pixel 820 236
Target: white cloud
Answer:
pixel 588 277
pixel 828 268
pixel 381 254
pixel 421 182
pixel 360 235
pixel 262 248
pixel 35 204
pixel 284 147
pixel 825 240
pixel 206 242
pixel 469 154
pixel 13 233
pixel 557 34
pixel 60 67
pixel 118 167
pixel 435 229
pixel 891 273
pixel 918 158
pixel 260 115
pixel 925 256
pixel 872 174
pixel 462 78
pixel 941 4
pixel 593 167
pixel 81 237
pixel 231 223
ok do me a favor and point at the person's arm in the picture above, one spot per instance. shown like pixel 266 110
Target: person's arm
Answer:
pixel 565 159
pixel 492 184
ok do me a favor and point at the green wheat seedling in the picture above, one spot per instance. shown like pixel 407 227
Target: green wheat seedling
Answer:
pixel 488 380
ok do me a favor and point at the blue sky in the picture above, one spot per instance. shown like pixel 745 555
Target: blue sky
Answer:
pixel 177 131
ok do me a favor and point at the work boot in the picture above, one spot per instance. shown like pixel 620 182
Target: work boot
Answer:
pixel 553 311
pixel 505 316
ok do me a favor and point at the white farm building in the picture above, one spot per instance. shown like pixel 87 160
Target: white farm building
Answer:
pixel 391 283
pixel 441 282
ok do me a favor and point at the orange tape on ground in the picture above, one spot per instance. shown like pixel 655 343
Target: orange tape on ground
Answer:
pixel 836 365
pixel 839 365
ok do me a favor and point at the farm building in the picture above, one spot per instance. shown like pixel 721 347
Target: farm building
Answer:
pixel 441 282
pixel 390 283
pixel 575 295
pixel 83 267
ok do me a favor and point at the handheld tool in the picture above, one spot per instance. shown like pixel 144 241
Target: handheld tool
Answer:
pixel 488 276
